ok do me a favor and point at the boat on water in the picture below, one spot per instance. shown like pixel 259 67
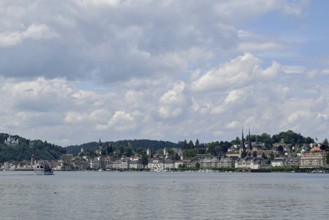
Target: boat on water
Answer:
pixel 43 169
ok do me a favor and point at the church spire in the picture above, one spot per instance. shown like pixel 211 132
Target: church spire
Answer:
pixel 242 140
pixel 249 141
pixel 243 147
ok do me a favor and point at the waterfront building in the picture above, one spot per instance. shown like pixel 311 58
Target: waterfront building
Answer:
pixel 226 162
pixel 316 158
pixel 190 163
pixel 106 160
pixel 125 164
pixel 80 163
pixel 109 163
pixel 5 166
pixel 291 161
pixel 95 163
pixel 252 163
pixel 168 164
pixel 156 164
pixel 178 164
pixel 277 162
pixel 113 165
pixel 286 161
pixel 136 164
pixel 66 162
pixel 209 162
pixel 182 163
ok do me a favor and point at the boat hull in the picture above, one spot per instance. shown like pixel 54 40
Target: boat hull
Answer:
pixel 43 170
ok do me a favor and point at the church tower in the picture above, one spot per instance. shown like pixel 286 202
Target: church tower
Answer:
pixel 249 142
pixel 243 152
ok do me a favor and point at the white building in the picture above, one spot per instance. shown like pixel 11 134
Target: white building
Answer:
pixel 277 162
pixel 136 164
pixel 10 140
pixel 209 162
pixel 125 164
pixel 226 162
pixel 156 164
pixel 252 163
pixel 168 164
pixel 95 163
pixel 316 158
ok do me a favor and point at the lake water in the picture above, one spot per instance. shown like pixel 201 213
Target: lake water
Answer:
pixel 148 195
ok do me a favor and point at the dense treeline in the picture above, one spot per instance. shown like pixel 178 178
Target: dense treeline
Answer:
pixel 191 150
pixel 24 148
pixel 286 137
pixel 122 145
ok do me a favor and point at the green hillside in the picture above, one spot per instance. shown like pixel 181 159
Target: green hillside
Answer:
pixel 16 148
pixel 154 145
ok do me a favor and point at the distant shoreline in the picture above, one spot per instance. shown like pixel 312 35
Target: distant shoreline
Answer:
pixel 304 170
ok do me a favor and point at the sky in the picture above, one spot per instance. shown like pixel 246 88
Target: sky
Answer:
pixel 75 71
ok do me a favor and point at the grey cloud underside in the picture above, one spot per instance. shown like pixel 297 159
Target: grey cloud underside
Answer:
pixel 107 42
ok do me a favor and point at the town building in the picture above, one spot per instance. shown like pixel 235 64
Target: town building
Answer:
pixel 80 163
pixel 182 163
pixel 316 158
pixel 291 161
pixel 113 165
pixel 261 153
pixel 233 151
pixel 209 162
pixel 156 164
pixel 277 162
pixel 252 163
pixel 125 163
pixel 66 162
pixel 168 164
pixel 95 163
pixel 226 162
pixel 136 164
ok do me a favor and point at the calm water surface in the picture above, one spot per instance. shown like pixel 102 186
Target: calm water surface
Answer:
pixel 147 195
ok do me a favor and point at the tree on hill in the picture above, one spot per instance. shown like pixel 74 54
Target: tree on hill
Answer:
pixel 197 143
pixel 236 141
pixel 183 144
pixel 24 148
pixel 290 137
pixel 266 139
pixel 116 146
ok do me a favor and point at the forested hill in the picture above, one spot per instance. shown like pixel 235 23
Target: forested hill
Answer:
pixel 16 148
pixel 134 144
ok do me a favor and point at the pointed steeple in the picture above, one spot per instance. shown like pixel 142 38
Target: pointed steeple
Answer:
pixel 249 141
pixel 243 152
pixel 242 141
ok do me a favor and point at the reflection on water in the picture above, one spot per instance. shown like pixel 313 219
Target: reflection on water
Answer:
pixel 132 195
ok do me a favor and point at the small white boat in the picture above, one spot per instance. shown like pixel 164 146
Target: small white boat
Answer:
pixel 43 169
